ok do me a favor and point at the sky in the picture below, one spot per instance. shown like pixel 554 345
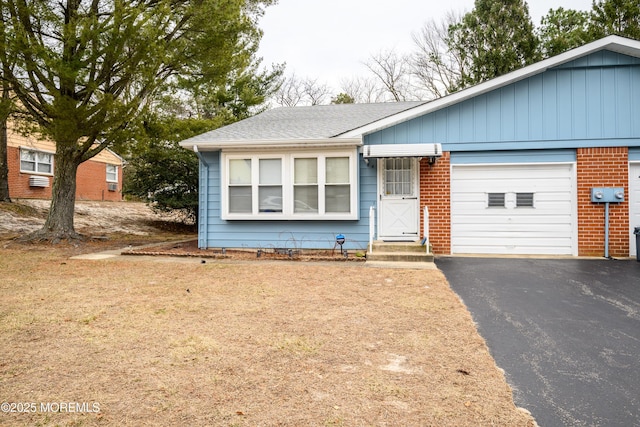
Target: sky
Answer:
pixel 331 39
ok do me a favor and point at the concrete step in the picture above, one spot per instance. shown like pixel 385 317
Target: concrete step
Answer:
pixel 399 247
pixel 400 256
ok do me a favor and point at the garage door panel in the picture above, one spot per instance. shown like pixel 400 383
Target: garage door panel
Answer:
pixel 634 204
pixel 545 248
pixel 552 186
pixel 522 229
pixel 546 228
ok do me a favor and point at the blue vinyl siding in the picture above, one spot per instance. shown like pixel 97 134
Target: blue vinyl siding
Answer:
pixel 590 102
pixel 634 154
pixel 217 233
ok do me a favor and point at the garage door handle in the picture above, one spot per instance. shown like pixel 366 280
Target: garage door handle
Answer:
pixel 409 198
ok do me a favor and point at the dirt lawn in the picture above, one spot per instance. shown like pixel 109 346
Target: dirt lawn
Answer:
pixel 174 341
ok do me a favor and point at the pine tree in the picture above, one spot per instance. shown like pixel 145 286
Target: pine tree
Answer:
pixel 496 37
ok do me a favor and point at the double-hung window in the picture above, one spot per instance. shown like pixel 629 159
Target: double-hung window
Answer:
pixel 299 185
pixel 337 185
pixel 305 185
pixel 270 185
pixel 33 161
pixel 112 173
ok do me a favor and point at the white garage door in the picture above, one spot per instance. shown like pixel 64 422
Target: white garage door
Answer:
pixel 634 202
pixel 513 209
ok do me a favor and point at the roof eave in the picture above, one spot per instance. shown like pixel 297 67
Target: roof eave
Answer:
pixel 272 144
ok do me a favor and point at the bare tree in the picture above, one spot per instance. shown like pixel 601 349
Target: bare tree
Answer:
pixel 291 92
pixel 436 67
pixel 393 72
pixel 315 92
pixel 363 90
pixel 296 91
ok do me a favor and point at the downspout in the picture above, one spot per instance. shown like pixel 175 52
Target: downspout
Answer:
pixel 203 202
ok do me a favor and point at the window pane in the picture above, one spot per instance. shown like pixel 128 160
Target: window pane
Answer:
pixel 337 198
pixel 44 158
pixel 305 199
pixel 240 199
pixel 44 168
pixel 112 173
pixel 270 171
pixel 306 171
pixel 27 166
pixel 270 199
pixel 337 170
pixel 240 171
pixel 28 155
pixel 398 177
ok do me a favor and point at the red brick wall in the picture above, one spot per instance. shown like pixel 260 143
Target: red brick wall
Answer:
pixel 91 181
pixel 435 185
pixel 602 167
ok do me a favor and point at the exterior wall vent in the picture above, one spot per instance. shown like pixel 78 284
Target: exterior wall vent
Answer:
pixel 38 181
pixel 113 186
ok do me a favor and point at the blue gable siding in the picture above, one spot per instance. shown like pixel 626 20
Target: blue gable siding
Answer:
pixel 215 232
pixel 589 102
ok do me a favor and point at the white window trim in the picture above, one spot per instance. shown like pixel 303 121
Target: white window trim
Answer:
pixel 36 172
pixel 107 172
pixel 288 185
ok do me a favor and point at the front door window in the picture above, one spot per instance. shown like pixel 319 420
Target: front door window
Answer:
pixel 398 177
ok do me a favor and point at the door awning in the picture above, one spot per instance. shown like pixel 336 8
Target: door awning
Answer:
pixel 402 150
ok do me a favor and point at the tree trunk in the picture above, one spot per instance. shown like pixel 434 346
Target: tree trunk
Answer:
pixel 59 223
pixel 4 166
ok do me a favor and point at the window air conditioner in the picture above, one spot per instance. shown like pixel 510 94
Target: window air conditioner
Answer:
pixel 113 186
pixel 38 181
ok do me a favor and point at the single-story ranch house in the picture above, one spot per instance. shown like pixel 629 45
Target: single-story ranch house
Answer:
pixel 31 164
pixel 509 166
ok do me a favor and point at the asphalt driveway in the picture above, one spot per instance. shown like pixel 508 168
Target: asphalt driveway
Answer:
pixel 566 332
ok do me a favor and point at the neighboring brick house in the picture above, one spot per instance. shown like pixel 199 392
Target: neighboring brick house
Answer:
pixel 508 166
pixel 31 164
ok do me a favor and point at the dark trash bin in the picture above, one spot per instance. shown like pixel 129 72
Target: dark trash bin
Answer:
pixel 636 231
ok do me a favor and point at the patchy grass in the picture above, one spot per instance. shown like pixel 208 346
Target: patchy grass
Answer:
pixel 20 209
pixel 241 344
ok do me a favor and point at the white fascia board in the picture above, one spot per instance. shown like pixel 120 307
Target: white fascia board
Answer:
pixel 613 43
pixel 272 144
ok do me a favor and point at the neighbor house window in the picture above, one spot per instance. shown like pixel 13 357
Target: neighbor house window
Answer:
pixel 300 185
pixel 112 173
pixel 495 200
pixel 36 161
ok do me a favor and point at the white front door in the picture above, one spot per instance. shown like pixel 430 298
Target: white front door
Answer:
pixel 399 207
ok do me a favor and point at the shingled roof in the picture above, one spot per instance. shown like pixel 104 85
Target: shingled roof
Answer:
pixel 301 123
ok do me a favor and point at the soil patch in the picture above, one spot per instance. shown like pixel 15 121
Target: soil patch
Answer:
pixel 106 225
